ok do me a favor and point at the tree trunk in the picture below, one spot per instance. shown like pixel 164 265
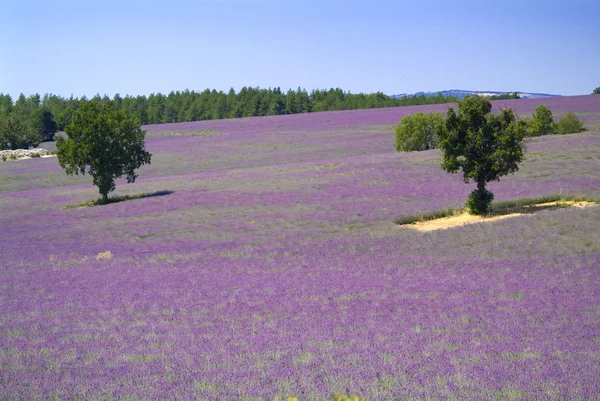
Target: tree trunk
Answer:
pixel 105 197
pixel 484 197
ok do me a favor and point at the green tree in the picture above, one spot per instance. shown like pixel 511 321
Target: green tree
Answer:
pixel 42 123
pixel 570 124
pixel 596 91
pixel 277 104
pixel 418 132
pixel 15 133
pixel 64 118
pixel 104 143
pixel 291 102
pixel 303 101
pixel 542 122
pixel 6 104
pixel 219 106
pixel 483 145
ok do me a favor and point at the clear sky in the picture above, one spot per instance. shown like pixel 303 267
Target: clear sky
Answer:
pixel 85 47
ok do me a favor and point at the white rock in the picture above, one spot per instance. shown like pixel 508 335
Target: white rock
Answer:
pixel 21 153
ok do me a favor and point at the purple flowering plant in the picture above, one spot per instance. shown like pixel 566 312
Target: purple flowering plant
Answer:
pixel 272 268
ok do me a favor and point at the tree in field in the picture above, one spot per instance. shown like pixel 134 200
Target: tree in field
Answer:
pixel 482 145
pixel 596 91
pixel 104 143
pixel 542 122
pixel 15 133
pixel 570 124
pixel 418 132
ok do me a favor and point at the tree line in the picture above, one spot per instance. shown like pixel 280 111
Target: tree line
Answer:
pixel 37 117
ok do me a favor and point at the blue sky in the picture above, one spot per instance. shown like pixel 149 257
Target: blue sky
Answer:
pixel 135 47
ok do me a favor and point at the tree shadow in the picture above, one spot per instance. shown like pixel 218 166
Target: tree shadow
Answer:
pixel 529 209
pixel 116 199
pixel 157 193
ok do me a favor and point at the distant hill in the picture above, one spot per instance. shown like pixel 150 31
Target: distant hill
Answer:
pixel 459 93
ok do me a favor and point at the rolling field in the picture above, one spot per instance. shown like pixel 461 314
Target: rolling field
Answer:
pixel 265 263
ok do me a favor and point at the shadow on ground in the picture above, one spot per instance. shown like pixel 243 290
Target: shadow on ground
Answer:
pixel 116 199
pixel 530 209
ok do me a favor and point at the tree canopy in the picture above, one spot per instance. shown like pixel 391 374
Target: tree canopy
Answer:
pixel 482 145
pixel 542 122
pixel 570 124
pixel 15 133
pixel 42 123
pixel 104 143
pixel 418 132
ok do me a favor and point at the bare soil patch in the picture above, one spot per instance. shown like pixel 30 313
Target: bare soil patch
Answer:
pixel 466 218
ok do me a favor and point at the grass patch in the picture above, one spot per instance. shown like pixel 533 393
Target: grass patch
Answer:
pixel 438 214
pixel 115 199
pixel 524 206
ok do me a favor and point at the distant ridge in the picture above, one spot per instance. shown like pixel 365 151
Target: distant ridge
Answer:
pixel 459 93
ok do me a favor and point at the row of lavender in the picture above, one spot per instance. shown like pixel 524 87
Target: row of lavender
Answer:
pixel 279 272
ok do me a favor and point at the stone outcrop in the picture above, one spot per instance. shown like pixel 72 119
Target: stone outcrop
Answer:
pixel 23 153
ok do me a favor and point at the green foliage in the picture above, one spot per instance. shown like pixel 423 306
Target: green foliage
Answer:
pixel 570 124
pixel 41 122
pixel 505 96
pixel 482 145
pixel 596 91
pixel 438 214
pixel 418 132
pixel 26 123
pixel 15 133
pixel 6 104
pixel 64 118
pixel 479 201
pixel 542 122
pixel 180 106
pixel 518 205
pixel 104 143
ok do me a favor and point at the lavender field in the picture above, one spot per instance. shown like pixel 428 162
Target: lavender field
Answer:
pixel 268 265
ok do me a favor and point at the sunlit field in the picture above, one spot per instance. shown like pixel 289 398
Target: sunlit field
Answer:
pixel 265 262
